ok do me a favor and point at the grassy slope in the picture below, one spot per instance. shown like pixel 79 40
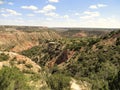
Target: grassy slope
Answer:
pixel 95 60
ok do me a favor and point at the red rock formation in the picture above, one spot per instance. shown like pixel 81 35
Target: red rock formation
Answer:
pixel 62 58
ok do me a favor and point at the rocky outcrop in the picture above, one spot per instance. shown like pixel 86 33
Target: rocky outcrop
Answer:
pixel 23 63
pixel 75 85
pixel 19 40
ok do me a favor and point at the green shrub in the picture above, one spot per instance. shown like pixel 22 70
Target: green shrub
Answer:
pixel 118 41
pixel 3 57
pixel 36 77
pixel 28 71
pixel 21 62
pixel 115 84
pixel 28 65
pixel 58 82
pixel 12 79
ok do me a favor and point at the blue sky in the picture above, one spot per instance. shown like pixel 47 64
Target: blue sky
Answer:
pixel 61 13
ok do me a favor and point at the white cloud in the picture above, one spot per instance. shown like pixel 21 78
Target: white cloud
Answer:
pixel 12 12
pixel 2 10
pixel 89 15
pixel 92 13
pixel 101 5
pixel 31 7
pixel 53 1
pixel 48 10
pixel 96 23
pixel 1 2
pixel 97 6
pixel 5 15
pixel 77 14
pixel 10 3
pixel 66 16
pixel 93 7
pixel 30 15
pixel 101 22
pixel 52 14
pixel 9 12
pixel 4 2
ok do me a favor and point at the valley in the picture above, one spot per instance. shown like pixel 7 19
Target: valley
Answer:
pixel 59 58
